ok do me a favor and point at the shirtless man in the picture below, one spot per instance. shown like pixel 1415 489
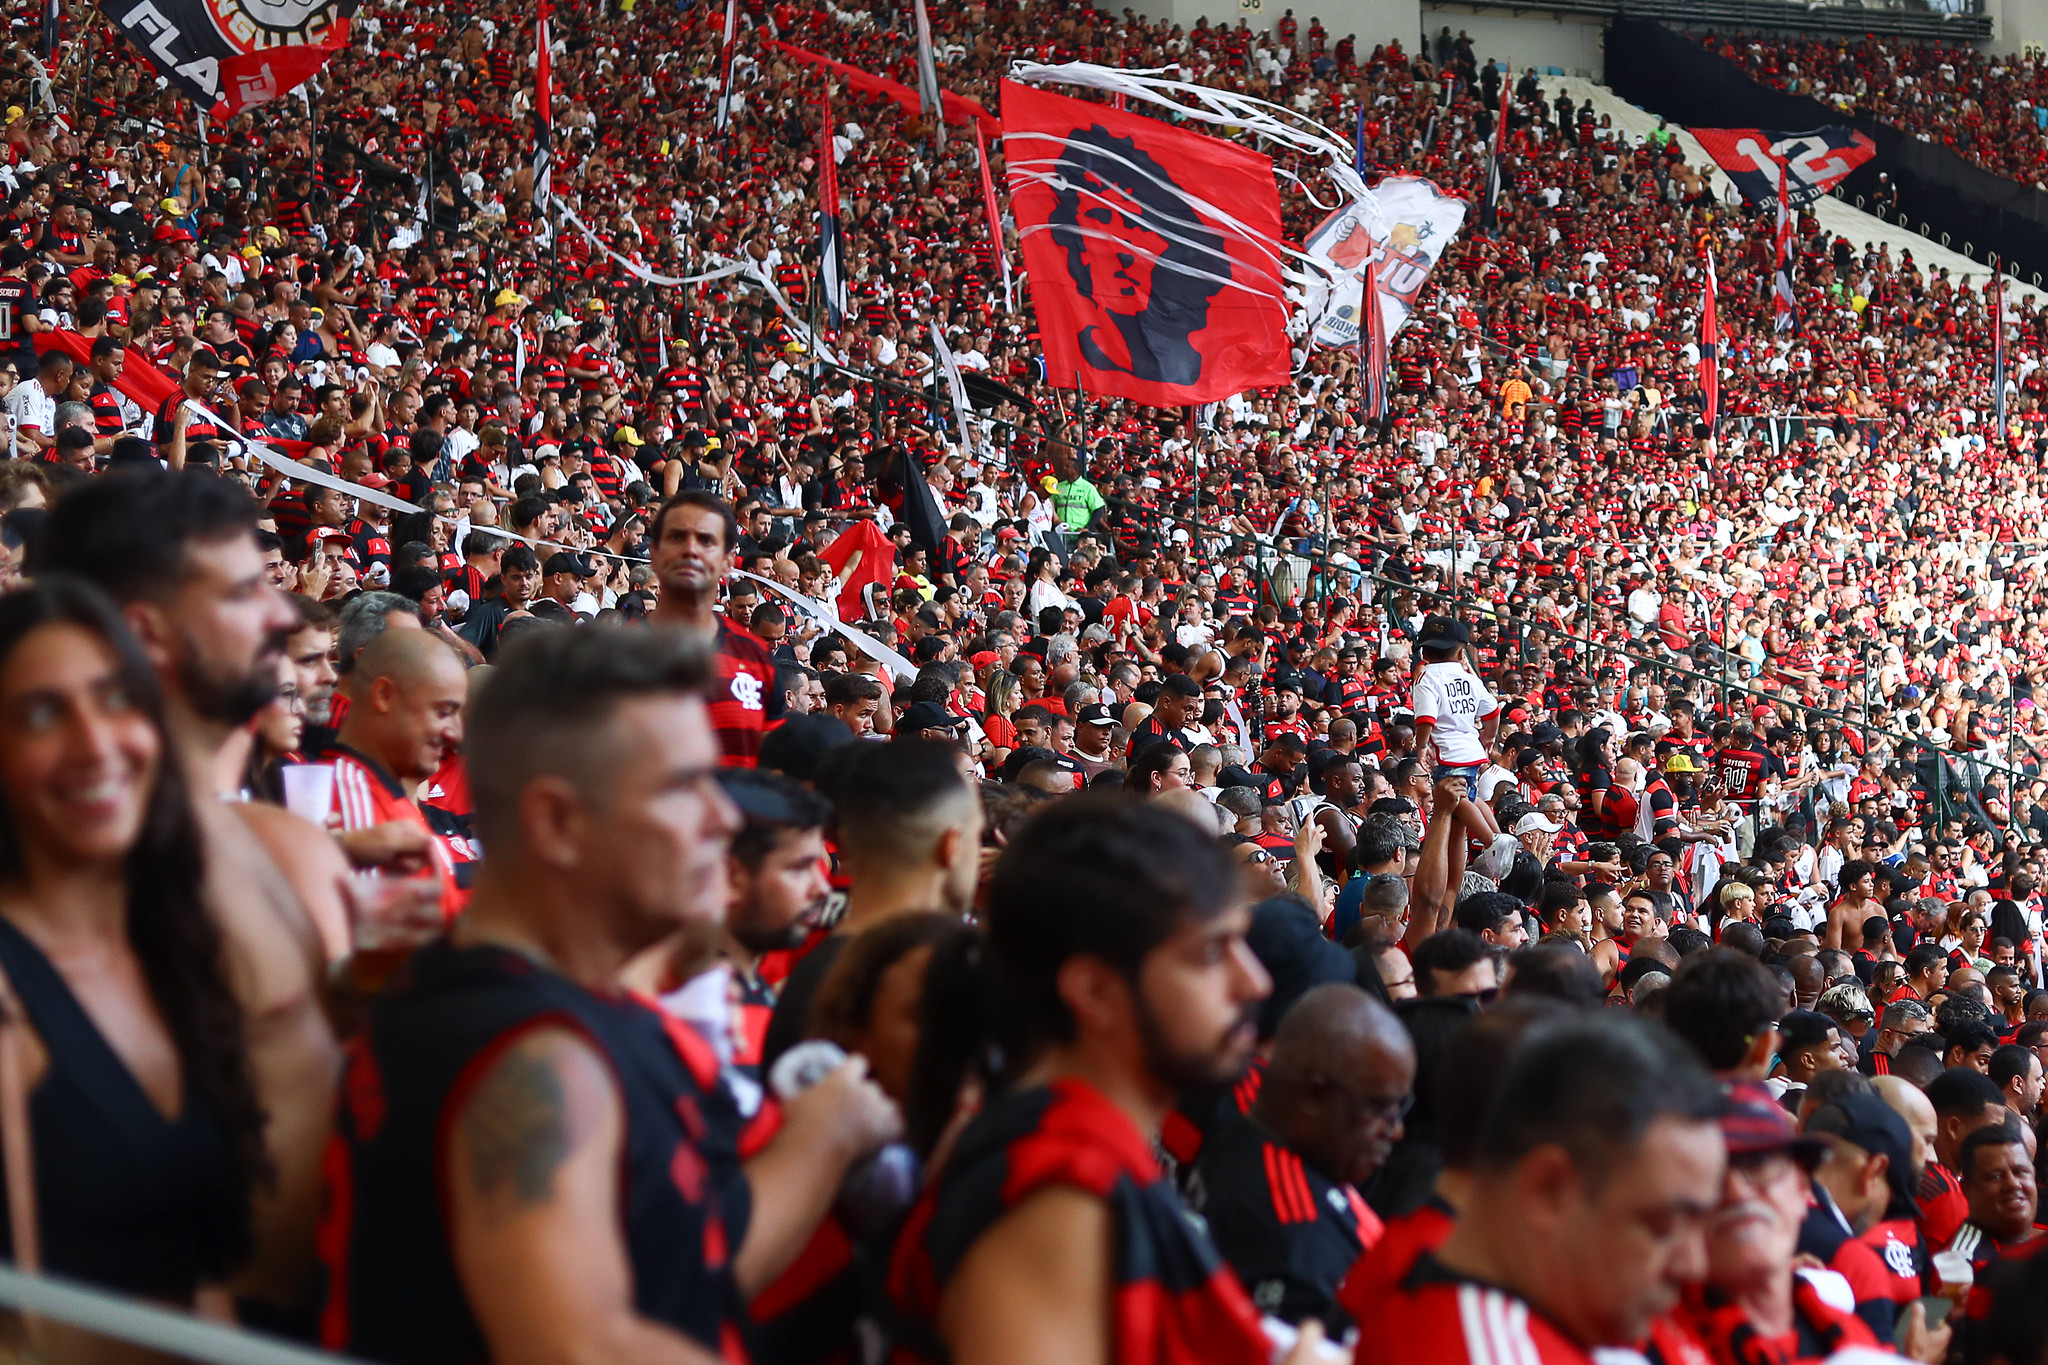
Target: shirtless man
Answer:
pixel 178 553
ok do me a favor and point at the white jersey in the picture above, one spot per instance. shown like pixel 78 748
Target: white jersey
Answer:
pixel 1452 696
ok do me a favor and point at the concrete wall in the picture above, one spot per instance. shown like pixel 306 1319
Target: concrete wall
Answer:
pixel 1568 42
pixel 2018 25
pixel 1372 21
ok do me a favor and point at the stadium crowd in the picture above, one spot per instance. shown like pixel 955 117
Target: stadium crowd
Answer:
pixel 669 897
pixel 1989 108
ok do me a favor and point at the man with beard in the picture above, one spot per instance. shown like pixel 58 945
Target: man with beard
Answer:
pixel 530 1162
pixel 178 552
pixel 1752 1306
pixel 1279 1185
pixel 690 544
pixel 776 870
pixel 1116 938
pixel 310 651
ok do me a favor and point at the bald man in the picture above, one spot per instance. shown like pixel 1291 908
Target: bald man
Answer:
pixel 1279 1185
pixel 405 716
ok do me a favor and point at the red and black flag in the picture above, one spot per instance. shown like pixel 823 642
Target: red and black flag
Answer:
pixel 231 55
pixel 1809 164
pixel 727 49
pixel 1781 283
pixel 831 244
pixel 1152 252
pixel 1710 344
pixel 544 112
pixel 1998 348
pixel 1496 169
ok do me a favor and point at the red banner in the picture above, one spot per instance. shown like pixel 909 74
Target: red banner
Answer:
pixel 959 109
pixel 1143 290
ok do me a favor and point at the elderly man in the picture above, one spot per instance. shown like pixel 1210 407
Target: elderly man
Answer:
pixel 1752 1298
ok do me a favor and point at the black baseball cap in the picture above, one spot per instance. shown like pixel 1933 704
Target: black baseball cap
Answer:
pixel 1095 714
pixel 928 715
pixel 1866 1121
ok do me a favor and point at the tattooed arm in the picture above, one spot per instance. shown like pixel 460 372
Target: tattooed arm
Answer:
pixel 532 1161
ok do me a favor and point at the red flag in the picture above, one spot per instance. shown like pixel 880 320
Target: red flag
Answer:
pixel 994 210
pixel 957 108
pixel 876 565
pixel 1143 289
pixel 141 379
pixel 544 110
pixel 1710 344
pixel 831 265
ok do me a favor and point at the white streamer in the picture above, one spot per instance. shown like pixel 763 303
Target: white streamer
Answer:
pixel 812 608
pixel 753 273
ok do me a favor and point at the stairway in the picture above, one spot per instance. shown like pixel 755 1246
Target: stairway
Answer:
pixel 1837 216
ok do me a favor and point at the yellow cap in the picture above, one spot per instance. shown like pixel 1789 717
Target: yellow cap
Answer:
pixel 507 297
pixel 630 437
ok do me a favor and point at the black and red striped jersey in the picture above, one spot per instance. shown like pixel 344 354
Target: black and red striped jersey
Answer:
pixel 1941 1203
pixel 743 696
pixel 1176 1302
pixel 1434 1316
pixel 1289 1232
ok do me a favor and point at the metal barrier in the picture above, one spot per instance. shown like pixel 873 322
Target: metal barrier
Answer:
pixel 174 1334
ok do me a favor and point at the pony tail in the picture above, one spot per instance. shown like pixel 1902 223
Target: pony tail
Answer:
pixel 959 1037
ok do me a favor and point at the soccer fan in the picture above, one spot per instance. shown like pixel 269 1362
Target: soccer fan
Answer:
pixel 406 695
pixel 907 828
pixel 1752 1299
pixel 1116 936
pixel 1601 1136
pixel 1998 1183
pixel 1862 1224
pixel 690 538
pixel 1964 1100
pixel 530 1160
pixel 179 557
pixel 1279 1185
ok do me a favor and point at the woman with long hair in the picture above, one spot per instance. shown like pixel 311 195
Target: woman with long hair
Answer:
pixel 145 1131
pixel 1004 697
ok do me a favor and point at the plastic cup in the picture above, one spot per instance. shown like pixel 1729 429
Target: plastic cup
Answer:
pixel 1956 1274
pixel 308 790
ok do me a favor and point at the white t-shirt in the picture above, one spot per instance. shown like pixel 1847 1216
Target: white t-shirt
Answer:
pixel 1452 696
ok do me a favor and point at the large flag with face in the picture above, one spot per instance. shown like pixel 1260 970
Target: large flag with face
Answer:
pixel 1710 343
pixel 231 55
pixel 727 49
pixel 929 97
pixel 544 113
pixel 1418 222
pixel 1812 163
pixel 831 245
pixel 1152 252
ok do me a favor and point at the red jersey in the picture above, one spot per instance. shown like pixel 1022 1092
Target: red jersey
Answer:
pixel 743 696
pixel 366 796
pixel 1434 1316
pixel 1942 1204
pixel 1175 1300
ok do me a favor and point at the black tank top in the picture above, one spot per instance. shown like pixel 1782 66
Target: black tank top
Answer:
pixel 125 1198
pixel 393 1293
